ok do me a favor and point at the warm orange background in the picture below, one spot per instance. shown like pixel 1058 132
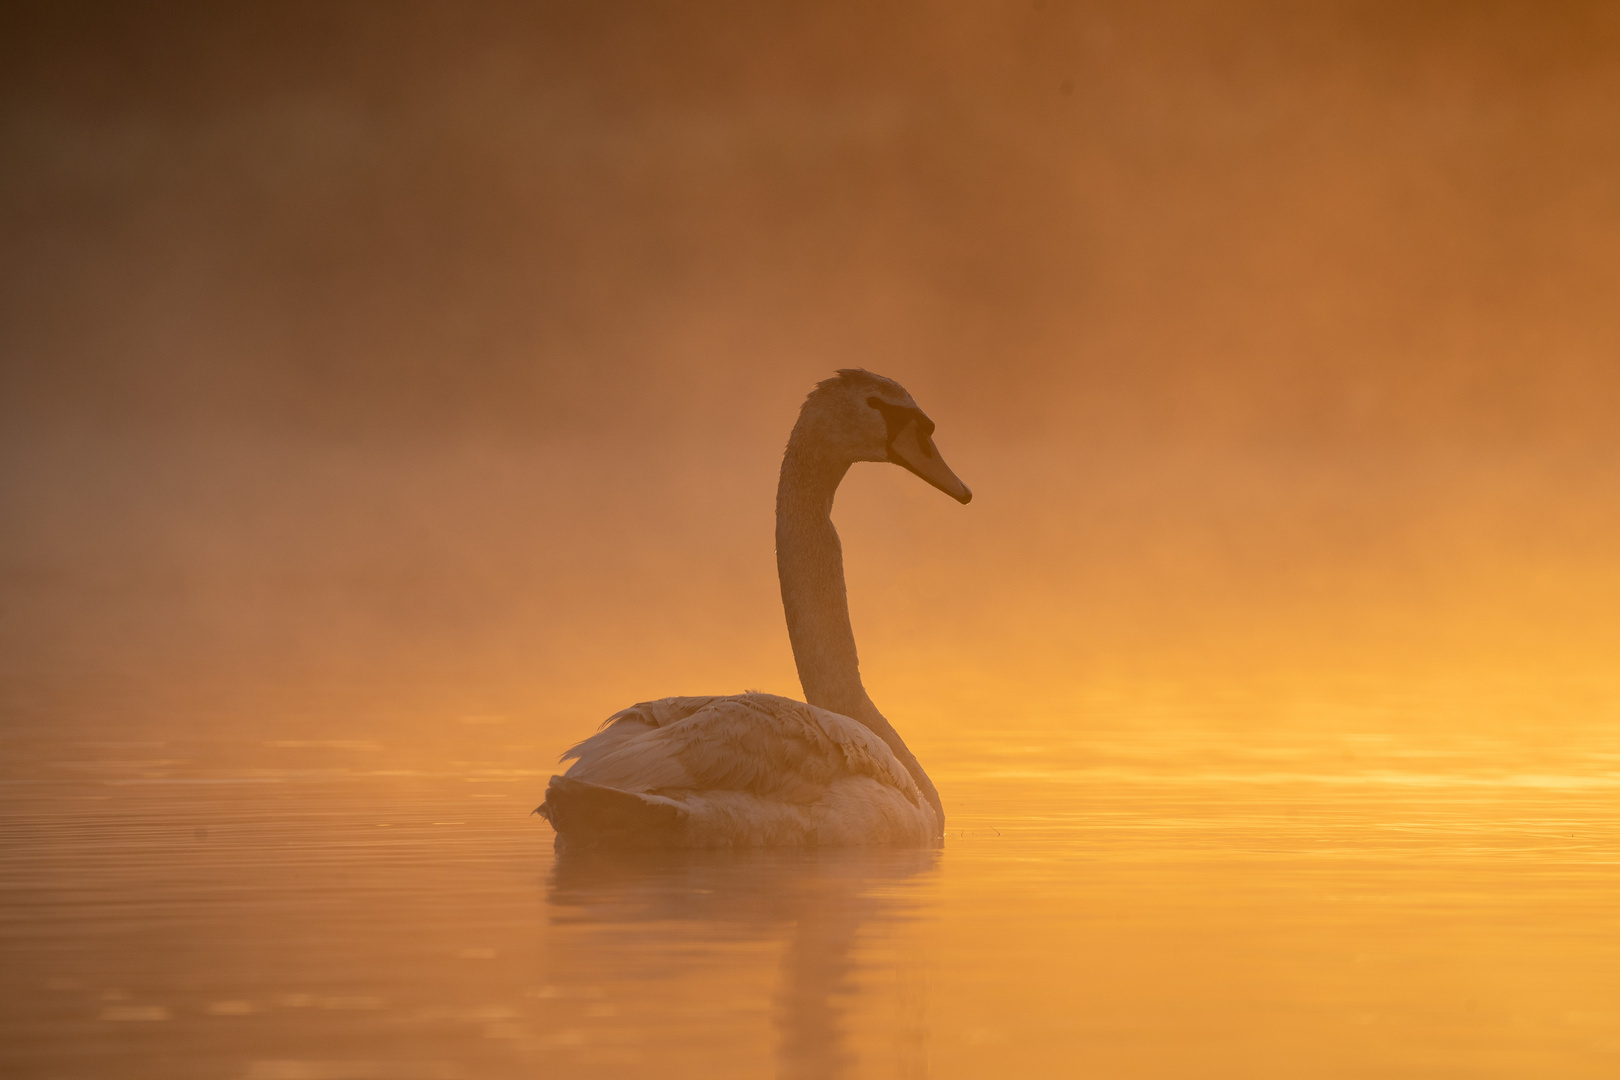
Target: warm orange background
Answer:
pixel 365 370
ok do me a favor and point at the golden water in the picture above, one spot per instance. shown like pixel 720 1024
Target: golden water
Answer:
pixel 1140 904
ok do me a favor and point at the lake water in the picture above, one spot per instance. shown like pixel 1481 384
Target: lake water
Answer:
pixel 1127 905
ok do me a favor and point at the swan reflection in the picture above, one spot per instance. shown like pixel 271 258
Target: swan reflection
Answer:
pixel 656 915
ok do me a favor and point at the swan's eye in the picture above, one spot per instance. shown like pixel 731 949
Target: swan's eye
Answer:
pixel 896 417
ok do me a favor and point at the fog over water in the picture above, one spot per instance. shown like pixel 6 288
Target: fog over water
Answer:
pixel 460 345
pixel 400 391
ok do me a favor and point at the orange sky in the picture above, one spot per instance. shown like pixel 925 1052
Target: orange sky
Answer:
pixel 453 352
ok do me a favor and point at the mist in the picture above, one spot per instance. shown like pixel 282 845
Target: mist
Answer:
pixel 360 371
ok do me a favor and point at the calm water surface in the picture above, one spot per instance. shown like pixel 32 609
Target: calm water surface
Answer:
pixel 1159 906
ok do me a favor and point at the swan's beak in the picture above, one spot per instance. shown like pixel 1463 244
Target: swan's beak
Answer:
pixel 914 449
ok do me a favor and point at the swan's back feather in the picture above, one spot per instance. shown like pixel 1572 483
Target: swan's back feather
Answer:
pixel 757 768
pixel 759 743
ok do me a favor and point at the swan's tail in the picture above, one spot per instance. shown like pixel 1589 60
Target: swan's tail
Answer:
pixel 590 815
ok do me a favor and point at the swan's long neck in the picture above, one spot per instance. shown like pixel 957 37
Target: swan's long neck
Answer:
pixel 810 566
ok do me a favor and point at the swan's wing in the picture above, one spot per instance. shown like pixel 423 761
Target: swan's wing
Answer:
pixel 660 713
pixel 759 743
pixel 850 748
pixel 623 729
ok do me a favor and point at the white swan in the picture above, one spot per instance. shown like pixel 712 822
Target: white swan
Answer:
pixel 756 769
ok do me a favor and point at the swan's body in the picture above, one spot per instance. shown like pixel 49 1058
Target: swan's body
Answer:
pixel 756 769
pixel 751 770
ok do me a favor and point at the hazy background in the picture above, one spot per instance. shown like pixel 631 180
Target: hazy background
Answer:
pixel 426 364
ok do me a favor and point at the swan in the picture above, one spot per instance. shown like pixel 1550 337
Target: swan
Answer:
pixel 755 769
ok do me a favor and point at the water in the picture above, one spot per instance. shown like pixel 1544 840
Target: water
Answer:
pixel 1152 905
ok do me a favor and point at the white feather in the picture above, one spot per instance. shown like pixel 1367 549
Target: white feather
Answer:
pixel 757 769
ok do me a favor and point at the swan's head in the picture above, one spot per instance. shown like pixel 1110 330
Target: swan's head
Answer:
pixel 860 416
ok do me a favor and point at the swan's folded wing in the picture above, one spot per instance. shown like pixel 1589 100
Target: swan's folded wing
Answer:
pixel 627 724
pixel 703 744
pixel 759 743
pixel 865 754
pixel 628 754
pixel 660 713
